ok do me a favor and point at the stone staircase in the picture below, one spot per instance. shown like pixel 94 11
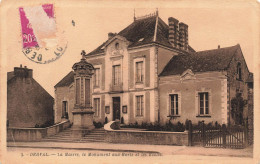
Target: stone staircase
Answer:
pixel 96 135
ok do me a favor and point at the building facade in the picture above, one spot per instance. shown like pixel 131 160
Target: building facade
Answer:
pixel 133 79
pixel 205 86
pixel 28 103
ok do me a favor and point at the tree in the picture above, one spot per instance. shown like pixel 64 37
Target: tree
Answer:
pixel 237 105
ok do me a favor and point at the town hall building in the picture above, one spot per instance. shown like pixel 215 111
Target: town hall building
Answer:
pixel 148 72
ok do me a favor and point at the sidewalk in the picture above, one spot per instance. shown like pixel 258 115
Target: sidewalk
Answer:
pixel 162 149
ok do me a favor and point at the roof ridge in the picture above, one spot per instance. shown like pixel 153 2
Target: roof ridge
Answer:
pixel 232 56
pixel 63 79
pixel 217 49
pixel 155 29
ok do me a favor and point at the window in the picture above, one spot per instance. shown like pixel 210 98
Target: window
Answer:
pixel 174 107
pixel 64 109
pixel 139 105
pixel 96 106
pixel 203 103
pixel 117 46
pixel 139 72
pixel 97 77
pixel 116 74
pixel 239 71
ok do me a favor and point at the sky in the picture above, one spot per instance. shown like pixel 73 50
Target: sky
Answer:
pixel 209 24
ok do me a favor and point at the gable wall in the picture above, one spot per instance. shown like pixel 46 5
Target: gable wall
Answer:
pixel 235 85
pixel 28 103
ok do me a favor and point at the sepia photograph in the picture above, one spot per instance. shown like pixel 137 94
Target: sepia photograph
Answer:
pixel 129 81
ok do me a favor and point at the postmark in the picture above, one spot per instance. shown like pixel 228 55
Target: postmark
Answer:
pixel 41 41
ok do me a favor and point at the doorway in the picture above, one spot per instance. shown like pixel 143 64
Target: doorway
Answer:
pixel 116 108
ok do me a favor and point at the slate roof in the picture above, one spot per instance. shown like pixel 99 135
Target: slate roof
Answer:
pixel 202 61
pixel 143 28
pixel 66 81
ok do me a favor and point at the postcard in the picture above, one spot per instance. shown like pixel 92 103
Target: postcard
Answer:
pixel 129 81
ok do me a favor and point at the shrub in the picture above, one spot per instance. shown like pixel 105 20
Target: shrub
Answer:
pixel 122 120
pixel 187 124
pixel 144 125
pixel 217 124
pixel 136 125
pixel 180 127
pixel 47 124
pixel 106 120
pixel 98 124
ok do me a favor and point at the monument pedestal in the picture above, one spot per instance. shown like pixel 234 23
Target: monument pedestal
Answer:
pixel 82 122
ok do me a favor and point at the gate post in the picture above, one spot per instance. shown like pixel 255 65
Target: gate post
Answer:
pixel 246 134
pixel 203 134
pixel 190 134
pixel 223 130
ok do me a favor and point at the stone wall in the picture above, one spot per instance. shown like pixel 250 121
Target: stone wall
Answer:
pixel 34 134
pixel 147 137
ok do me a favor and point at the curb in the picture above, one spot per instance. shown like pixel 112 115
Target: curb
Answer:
pixel 112 150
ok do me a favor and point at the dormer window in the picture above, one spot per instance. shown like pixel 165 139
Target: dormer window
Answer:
pixel 239 71
pixel 117 46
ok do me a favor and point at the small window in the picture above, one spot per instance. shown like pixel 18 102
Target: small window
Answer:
pixel 117 46
pixel 139 106
pixel 239 71
pixel 174 105
pixel 203 103
pixel 139 72
pixel 97 107
pixel 65 109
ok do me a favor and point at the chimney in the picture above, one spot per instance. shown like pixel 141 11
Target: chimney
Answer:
pixel 23 72
pixel 111 35
pixel 173 31
pixel 183 38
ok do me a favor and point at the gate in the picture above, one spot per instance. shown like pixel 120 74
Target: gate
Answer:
pixel 219 136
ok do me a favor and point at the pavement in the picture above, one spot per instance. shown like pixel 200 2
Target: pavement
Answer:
pixel 152 149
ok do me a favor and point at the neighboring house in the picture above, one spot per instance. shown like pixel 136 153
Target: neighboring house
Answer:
pixel 138 77
pixel 203 85
pixel 28 103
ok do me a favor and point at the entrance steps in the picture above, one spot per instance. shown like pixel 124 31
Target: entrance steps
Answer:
pixel 96 135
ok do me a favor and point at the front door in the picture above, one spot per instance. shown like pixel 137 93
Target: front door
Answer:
pixel 116 108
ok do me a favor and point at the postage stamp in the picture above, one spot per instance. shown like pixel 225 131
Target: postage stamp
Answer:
pixel 41 42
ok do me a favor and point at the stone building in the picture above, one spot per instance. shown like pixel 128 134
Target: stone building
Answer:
pixel 202 86
pixel 28 103
pixel 148 70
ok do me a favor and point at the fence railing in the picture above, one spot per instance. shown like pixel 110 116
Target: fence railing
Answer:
pixel 218 136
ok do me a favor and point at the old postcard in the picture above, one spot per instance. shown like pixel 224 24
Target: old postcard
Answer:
pixel 129 81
